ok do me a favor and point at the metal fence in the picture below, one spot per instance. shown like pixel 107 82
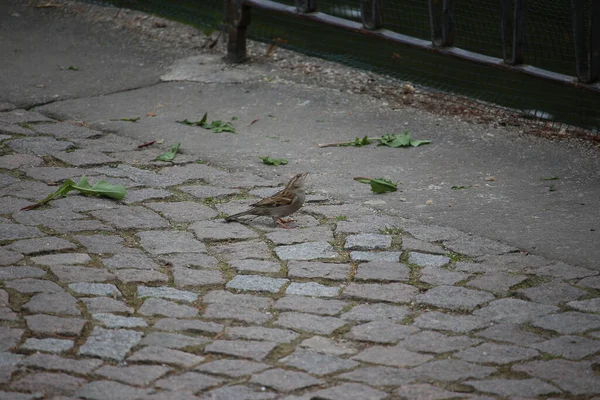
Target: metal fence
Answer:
pixel 537 57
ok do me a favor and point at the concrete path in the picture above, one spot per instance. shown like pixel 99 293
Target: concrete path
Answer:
pixel 488 292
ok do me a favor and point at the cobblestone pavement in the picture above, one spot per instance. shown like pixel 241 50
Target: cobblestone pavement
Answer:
pixel 155 297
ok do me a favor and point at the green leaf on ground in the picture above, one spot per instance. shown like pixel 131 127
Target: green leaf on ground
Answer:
pixel 551 178
pixel 400 140
pixel 358 142
pixel 169 155
pixel 127 119
pixel 217 126
pixel 379 185
pixel 456 187
pixel 273 161
pixel 101 188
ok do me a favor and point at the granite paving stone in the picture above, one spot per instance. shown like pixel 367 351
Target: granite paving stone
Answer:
pixel 165 292
pixel 447 322
pixel 496 282
pixel 256 350
pixel 152 306
pixel 62 259
pixel 426 391
pixel 109 390
pixel 30 285
pixel 48 324
pixel 6 314
pixel 256 283
pixel 306 251
pixel 189 382
pixel 41 245
pixel 8 257
pixel 243 300
pixel 126 217
pixel 510 334
pixel 513 311
pixel 56 363
pixel 9 337
pixel 189 260
pixel 141 195
pixel 262 333
pixel 311 289
pixel 452 370
pixel 105 305
pixel 382 271
pixel 315 269
pixel 118 321
pixel 11 205
pixel 391 292
pixel 295 236
pixel 243 250
pixel 238 392
pixel 568 322
pixel 440 276
pixel 569 347
pixel 316 363
pixel 245 314
pixel 284 380
pixel 380 376
pixel 46 216
pixel 103 244
pixel 110 344
pixel 203 191
pixel 250 265
pixel 395 356
pixel 427 260
pixel 140 275
pixel 173 340
pixel 386 332
pixel 39 145
pixel 216 230
pixel 182 325
pixel 454 298
pixel 167 242
pixel 54 174
pixel 309 323
pixel 375 312
pixel 196 277
pixel 329 346
pixel 496 353
pixel 184 211
pixel 20 272
pixel 514 387
pixel 139 375
pixel 349 391
pixel 562 271
pixel 4 297
pixel 49 345
pixel 591 305
pixel 552 293
pixel 19 396
pixel 157 354
pixel 435 342
pixel 71 274
pixel 234 368
pixel 56 303
pixel 82 158
pixel 592 282
pixel 367 241
pixel 18 160
pixel 49 383
pixel 577 378
pixel 390 256
pixel 310 305
pixel 96 289
pixel 129 261
pixel 421 246
pixel 474 246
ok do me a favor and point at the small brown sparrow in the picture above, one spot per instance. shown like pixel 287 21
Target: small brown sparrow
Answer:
pixel 281 204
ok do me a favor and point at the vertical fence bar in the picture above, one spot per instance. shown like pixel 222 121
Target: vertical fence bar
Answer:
pixel 237 16
pixel 441 22
pixel 306 6
pixel 586 34
pixel 513 31
pixel 371 12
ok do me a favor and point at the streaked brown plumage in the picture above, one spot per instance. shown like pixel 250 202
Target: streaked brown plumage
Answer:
pixel 281 204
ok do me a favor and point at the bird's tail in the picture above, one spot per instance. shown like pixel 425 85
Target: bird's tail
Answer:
pixel 234 217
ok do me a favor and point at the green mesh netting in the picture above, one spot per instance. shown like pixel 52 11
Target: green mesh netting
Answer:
pixel 549 45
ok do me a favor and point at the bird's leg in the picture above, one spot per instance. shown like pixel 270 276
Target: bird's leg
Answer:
pixel 282 223
pixel 287 221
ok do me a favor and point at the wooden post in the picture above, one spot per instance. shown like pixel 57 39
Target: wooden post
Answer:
pixel 371 12
pixel 238 18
